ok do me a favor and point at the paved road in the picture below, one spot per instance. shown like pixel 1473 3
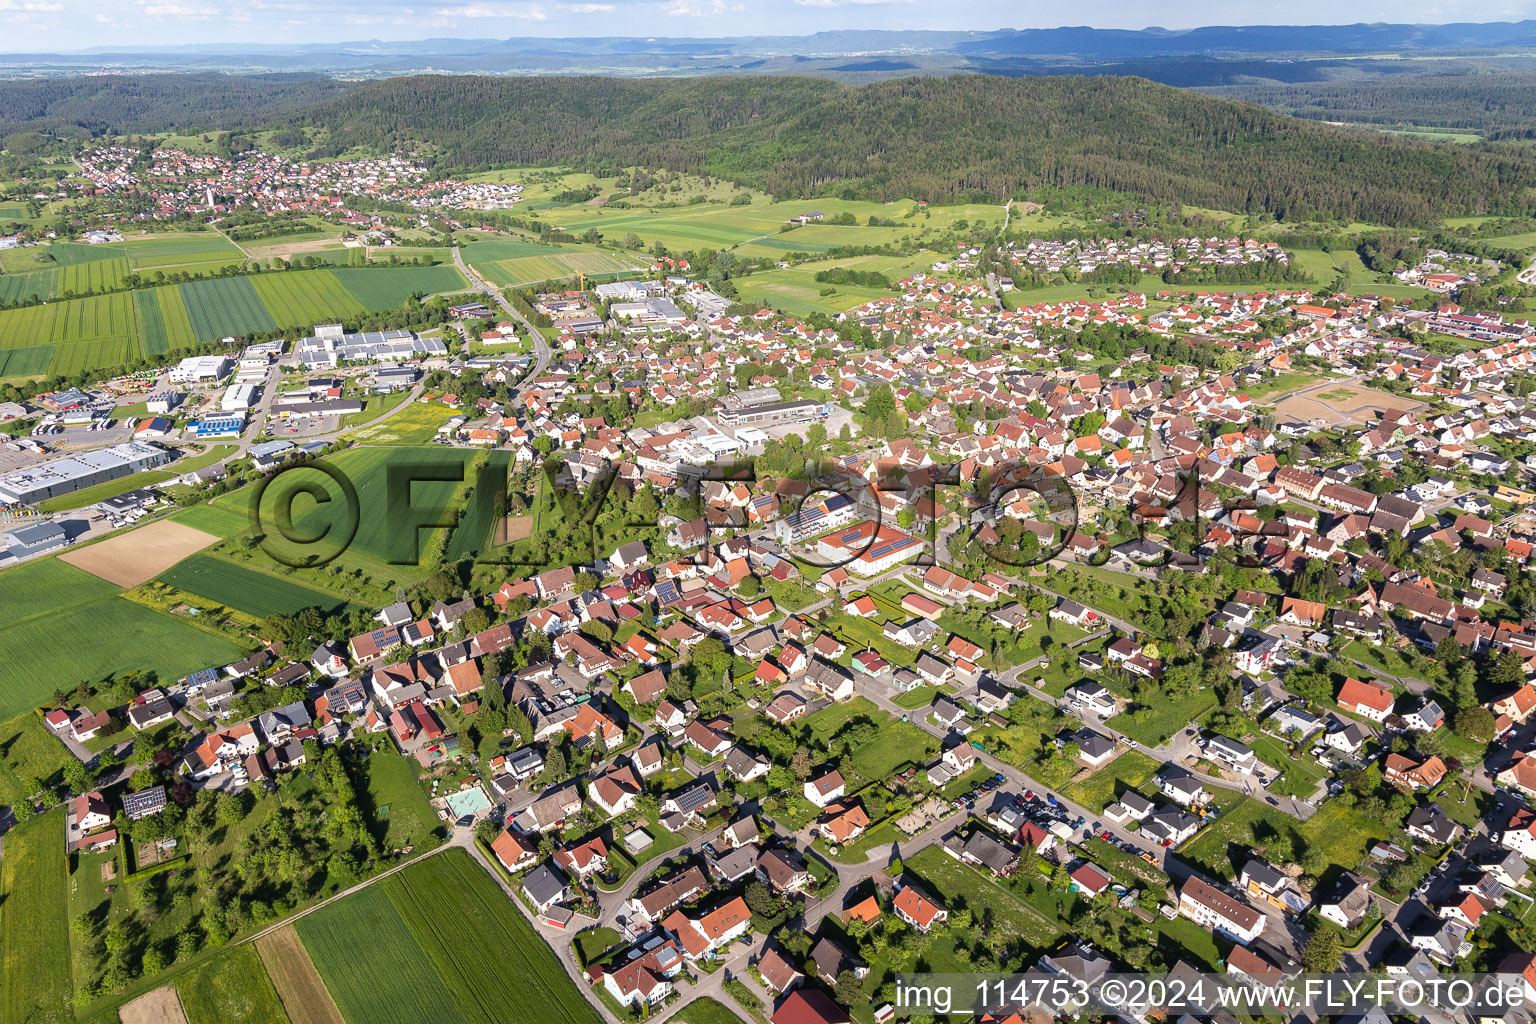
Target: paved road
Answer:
pixel 541 350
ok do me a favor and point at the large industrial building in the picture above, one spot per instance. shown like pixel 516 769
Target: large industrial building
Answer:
pixel 65 476
pixel 761 406
pixel 330 346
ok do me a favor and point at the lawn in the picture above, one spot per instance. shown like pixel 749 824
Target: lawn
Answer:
pixel 34 927
pixel 246 590
pixel 1222 848
pixel 232 988
pixel 29 753
pixel 707 1011
pixel 1131 770
pixel 896 745
pixel 1003 919
pixel 1152 725
pixel 397 800
pixel 393 982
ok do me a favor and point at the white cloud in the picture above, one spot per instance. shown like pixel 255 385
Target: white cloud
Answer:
pixel 588 8
pixel 847 3
pixel 31 6
pixel 502 11
pixel 697 8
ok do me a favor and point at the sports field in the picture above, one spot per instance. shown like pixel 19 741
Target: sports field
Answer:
pixel 245 589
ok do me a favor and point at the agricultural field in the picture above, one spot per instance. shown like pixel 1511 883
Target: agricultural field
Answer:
pixel 95 276
pixel 95 639
pixel 163 321
pixel 47 586
pixel 225 307
pixel 381 288
pixel 232 988
pixel 309 297
pixel 40 284
pixel 393 982
pixel 31 361
pixel 797 291
pixel 34 927
pixel 526 262
pixel 297 982
pixel 422 965
pixel 245 590
pixel 485 920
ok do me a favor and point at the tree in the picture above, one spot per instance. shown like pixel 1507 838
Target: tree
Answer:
pixel 476 620
pixel 1323 952
pixel 554 764
pixel 585 581
pixel 750 586
pixel 848 990
pixel 760 900
pixel 441 586
pixel 1474 723
pixel 801 764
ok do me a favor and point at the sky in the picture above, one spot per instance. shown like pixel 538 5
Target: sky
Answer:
pixel 69 25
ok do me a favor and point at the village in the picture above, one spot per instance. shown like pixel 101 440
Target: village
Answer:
pixel 987 638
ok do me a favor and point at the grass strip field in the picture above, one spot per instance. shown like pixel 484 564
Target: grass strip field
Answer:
pixel 204 247
pixel 528 269
pixel 305 297
pixel 101 492
pixel 245 589
pixel 96 640
pixel 34 930
pixel 394 982
pixel 297 982
pixel 487 937
pixel 477 253
pixel 25 362
pixel 219 520
pixel 226 307
pixel 473 533
pixel 232 988
pixel 381 288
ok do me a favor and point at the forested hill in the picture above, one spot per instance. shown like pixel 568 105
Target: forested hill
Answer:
pixel 938 139
pixel 158 103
